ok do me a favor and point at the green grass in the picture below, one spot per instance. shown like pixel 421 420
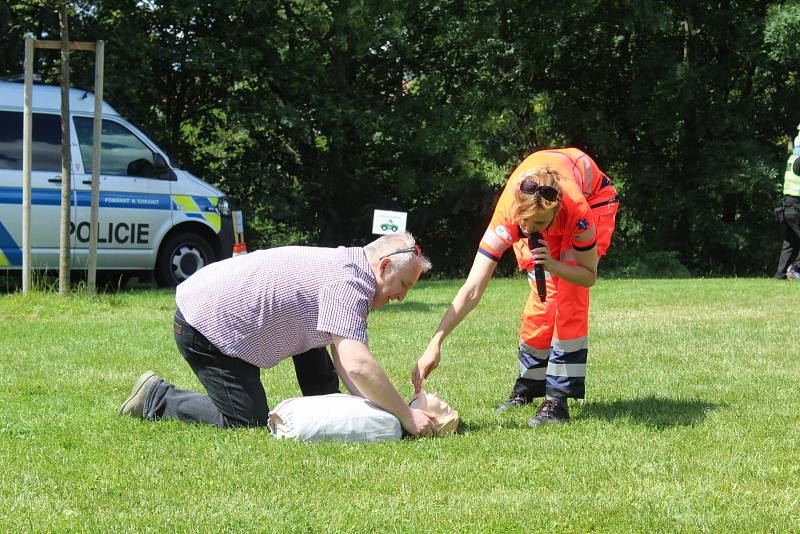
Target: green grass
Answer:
pixel 690 423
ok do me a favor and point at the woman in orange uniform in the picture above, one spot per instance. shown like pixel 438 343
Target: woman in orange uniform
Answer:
pixel 562 195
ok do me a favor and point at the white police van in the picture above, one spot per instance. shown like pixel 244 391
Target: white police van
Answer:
pixel 153 216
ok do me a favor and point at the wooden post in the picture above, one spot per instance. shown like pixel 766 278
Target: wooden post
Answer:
pixel 96 146
pixel 27 137
pixel 66 160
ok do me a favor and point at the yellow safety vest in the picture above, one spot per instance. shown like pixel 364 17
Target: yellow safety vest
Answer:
pixel 791 181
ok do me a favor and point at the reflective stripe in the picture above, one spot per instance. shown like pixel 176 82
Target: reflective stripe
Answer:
pixel 539 354
pixel 215 218
pixel 575 173
pixel 588 176
pixel 569 370
pixel 791 182
pixel 203 203
pixel 537 373
pixel 532 275
pixel 585 179
pixel 198 208
pixel 9 250
pixel 185 203
pixel 497 243
pixel 571 345
pixel 532 362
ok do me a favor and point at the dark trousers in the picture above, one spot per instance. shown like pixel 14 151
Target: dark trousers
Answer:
pixel 791 235
pixel 552 387
pixel 235 395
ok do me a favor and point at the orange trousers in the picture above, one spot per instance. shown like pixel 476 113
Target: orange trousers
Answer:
pixel 554 335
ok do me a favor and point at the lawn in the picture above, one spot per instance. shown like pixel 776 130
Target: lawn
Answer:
pixel 691 423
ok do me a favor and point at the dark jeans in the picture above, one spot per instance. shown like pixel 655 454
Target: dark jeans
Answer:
pixel 790 252
pixel 236 396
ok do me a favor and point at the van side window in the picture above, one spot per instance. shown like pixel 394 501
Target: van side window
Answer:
pixel 121 152
pixel 45 145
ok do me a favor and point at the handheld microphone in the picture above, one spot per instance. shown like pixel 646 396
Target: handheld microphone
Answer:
pixel 538 270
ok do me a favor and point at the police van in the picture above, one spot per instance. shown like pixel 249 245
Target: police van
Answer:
pixel 153 216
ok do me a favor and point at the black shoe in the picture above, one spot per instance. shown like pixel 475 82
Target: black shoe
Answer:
pixel 514 401
pixel 551 411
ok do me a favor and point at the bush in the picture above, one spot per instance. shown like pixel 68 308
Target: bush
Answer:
pixel 651 264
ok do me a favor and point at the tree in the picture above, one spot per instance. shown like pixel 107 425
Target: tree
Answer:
pixel 311 114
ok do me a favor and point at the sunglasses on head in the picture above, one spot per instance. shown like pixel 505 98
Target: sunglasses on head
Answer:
pixel 529 187
pixel 415 249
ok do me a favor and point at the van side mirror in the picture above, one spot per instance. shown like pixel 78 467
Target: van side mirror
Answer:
pixel 159 164
pixel 161 169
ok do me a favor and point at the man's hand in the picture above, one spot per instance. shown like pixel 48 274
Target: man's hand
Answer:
pixel 357 367
pixel 425 365
pixel 422 424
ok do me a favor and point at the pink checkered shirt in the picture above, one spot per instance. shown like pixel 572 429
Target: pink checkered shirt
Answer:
pixel 268 305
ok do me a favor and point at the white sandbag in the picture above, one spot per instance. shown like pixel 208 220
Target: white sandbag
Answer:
pixel 337 417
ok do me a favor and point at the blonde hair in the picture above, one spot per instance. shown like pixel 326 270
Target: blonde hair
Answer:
pixel 527 204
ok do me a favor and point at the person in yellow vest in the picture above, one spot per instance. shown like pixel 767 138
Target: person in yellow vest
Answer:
pixel 789 215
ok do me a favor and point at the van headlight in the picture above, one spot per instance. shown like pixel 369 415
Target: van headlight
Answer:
pixel 224 206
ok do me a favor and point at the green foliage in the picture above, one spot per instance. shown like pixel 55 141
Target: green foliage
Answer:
pixel 669 439
pixel 312 114
pixel 782 33
pixel 656 264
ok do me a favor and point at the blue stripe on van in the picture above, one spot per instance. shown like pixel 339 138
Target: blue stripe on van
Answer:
pixel 196 216
pixel 52 197
pixel 45 197
pixel 10 196
pixel 126 200
pixel 9 247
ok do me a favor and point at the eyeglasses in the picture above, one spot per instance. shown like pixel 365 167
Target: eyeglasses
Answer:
pixel 415 249
pixel 529 187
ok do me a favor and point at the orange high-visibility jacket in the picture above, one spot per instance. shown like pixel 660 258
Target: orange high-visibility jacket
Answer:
pixel 573 226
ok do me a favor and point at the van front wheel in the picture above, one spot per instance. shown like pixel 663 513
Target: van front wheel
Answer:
pixel 181 256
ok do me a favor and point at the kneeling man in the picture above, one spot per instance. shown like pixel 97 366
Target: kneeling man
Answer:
pixel 239 315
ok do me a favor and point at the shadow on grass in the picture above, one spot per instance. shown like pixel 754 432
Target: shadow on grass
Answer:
pixel 511 424
pixel 656 412
pixel 405 307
